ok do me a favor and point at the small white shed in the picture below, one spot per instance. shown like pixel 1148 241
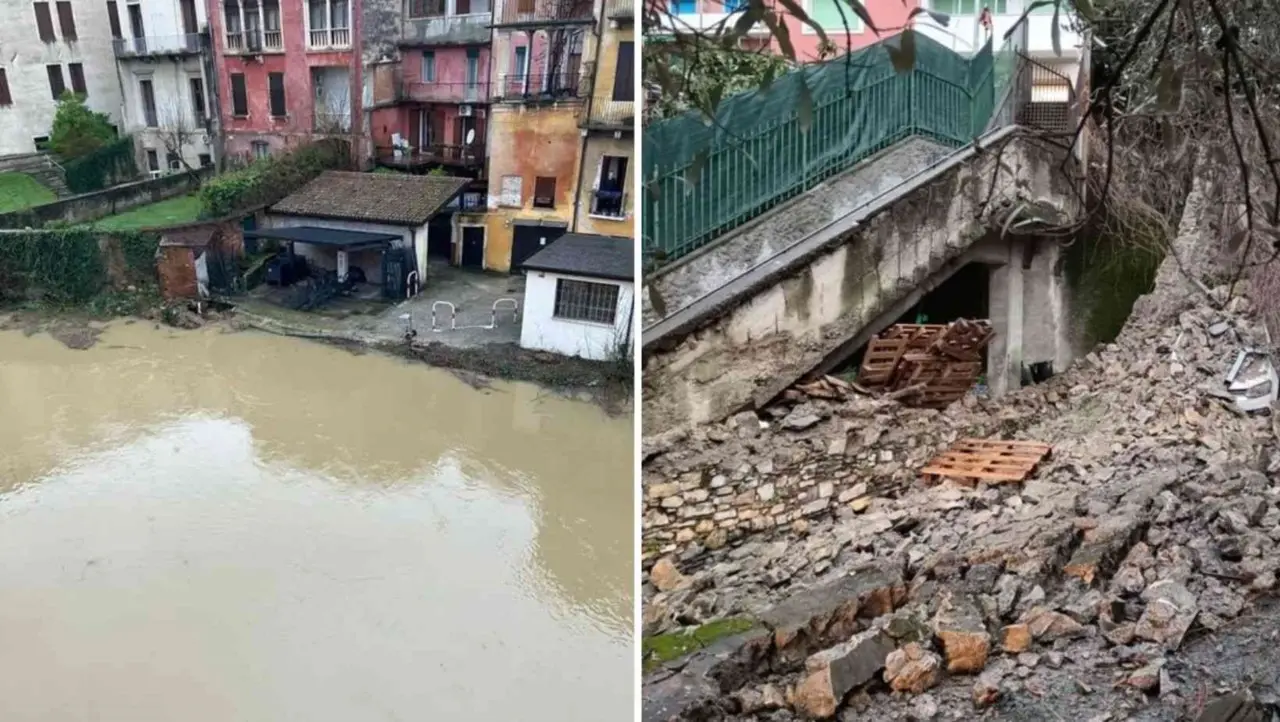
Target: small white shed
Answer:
pixel 579 297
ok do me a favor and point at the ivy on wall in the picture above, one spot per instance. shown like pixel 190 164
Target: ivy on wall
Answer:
pixel 270 179
pixel 70 265
pixel 111 164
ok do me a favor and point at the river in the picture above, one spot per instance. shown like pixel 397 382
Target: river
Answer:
pixel 206 525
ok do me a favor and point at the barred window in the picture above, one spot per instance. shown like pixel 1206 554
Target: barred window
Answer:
pixel 586 301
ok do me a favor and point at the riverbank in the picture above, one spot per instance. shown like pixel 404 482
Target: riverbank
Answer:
pixel 607 384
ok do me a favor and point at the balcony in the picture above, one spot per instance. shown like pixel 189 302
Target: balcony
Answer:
pixel 448 30
pixel 151 45
pixel 446 92
pixel 329 39
pixel 611 204
pixel 533 88
pixel 255 41
pixel 605 113
pixel 623 11
pixel 462 156
pixel 544 13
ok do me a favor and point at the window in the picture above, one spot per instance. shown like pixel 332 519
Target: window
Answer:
pixel 611 178
pixel 261 149
pixel 586 301
pixel 239 100
pixel 76 70
pixel 684 7
pixel 113 19
pixel 624 79
pixel 473 67
pixel 461 7
pixel 42 143
pixel 5 97
pixel 66 20
pixel 522 61
pixel 428 67
pixel 426 8
pixel 147 94
pixel 206 160
pixel 830 14
pixel 153 160
pixel 275 85
pixel 197 101
pixel 512 191
pixel 544 192
pixel 56 86
pixel 44 22
pixel 173 160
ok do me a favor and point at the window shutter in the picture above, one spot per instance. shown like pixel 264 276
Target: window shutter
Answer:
pixel 66 20
pixel 239 99
pixel 113 19
pixel 44 22
pixel 77 78
pixel 624 79
pixel 544 191
pixel 275 84
pixel 56 85
pixel 5 97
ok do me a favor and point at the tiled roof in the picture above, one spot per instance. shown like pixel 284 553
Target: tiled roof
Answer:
pixel 394 198
pixel 581 254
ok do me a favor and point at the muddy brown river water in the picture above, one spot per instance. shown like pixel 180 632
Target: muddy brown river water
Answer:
pixel 239 527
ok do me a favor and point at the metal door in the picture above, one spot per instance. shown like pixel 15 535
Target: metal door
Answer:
pixel 528 240
pixel 473 247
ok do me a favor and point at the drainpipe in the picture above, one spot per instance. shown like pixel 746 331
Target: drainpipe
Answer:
pixel 597 29
pixel 213 110
pixel 357 83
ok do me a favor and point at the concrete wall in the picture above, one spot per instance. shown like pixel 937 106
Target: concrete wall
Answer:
pixel 161 18
pixel 24 57
pixel 711 267
pixel 171 83
pixel 99 204
pixel 528 141
pixel 540 330
pixel 789 319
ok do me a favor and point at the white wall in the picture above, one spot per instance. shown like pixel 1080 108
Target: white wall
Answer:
pixel 370 262
pixel 161 19
pixel 24 57
pixel 171 83
pixel 542 331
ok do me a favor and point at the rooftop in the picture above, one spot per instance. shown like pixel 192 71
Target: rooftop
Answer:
pixel 581 254
pixel 397 199
pixel 321 236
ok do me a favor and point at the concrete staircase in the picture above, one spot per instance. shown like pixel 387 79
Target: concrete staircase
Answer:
pixel 40 166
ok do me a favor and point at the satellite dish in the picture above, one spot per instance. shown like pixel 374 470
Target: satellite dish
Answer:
pixel 471 136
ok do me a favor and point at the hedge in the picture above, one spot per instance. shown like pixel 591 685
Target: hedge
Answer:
pixel 270 179
pixel 107 166
pixel 67 265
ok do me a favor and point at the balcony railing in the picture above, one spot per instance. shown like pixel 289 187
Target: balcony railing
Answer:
pixel 186 44
pixel 447 92
pixel 448 30
pixel 609 204
pixel 519 88
pixel 516 13
pixel 605 112
pixel 325 38
pixel 460 155
pixel 254 41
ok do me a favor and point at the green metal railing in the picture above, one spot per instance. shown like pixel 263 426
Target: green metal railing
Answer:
pixel 705 178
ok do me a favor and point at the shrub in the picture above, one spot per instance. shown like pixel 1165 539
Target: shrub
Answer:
pixel 78 131
pixel 64 266
pixel 112 163
pixel 270 179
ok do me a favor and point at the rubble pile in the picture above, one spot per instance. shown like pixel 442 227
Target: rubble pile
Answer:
pixel 877 596
pixel 929 365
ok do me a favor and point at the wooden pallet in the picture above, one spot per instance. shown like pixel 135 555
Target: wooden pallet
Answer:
pixel 880 360
pixel 919 337
pixel 987 460
pixel 963 340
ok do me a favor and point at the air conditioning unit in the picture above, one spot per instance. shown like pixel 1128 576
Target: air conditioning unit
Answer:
pixel 465 111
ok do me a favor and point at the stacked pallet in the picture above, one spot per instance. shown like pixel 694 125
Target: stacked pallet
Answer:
pixel 930 365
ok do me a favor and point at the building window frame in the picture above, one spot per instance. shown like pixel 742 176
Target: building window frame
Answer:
pixel 587 302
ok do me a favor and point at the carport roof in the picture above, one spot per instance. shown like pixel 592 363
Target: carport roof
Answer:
pixel 583 254
pixel 321 236
pixel 394 198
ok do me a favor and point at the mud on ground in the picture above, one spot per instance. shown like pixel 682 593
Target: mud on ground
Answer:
pixel 75 331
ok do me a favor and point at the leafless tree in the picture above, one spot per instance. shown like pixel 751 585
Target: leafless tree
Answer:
pixel 177 132
pixel 333 114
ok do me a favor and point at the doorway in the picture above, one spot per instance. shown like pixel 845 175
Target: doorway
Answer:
pixel 527 240
pixel 440 238
pixel 473 247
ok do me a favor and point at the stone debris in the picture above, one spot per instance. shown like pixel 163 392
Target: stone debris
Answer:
pixel 1157 513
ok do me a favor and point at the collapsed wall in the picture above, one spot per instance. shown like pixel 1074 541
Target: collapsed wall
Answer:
pixel 1157 511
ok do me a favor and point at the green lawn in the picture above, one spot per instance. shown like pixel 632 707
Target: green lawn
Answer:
pixel 19 190
pixel 182 209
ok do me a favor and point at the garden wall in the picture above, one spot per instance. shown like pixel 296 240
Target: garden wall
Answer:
pixel 99 204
